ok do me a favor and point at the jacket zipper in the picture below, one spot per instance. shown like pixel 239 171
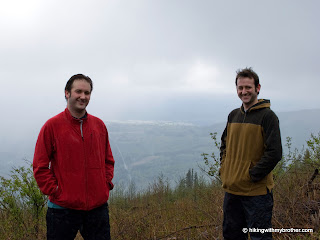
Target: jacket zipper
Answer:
pixel 85 164
pixel 244 118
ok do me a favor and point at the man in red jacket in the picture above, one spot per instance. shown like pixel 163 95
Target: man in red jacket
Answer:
pixel 73 165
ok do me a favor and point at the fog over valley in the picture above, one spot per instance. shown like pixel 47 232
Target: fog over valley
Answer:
pixel 143 150
pixel 155 62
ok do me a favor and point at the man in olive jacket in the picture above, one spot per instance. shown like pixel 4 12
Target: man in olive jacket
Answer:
pixel 250 149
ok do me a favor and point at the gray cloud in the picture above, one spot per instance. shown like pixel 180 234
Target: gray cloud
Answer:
pixel 155 59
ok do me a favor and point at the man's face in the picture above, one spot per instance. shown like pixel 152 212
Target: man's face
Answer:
pixel 79 97
pixel 247 91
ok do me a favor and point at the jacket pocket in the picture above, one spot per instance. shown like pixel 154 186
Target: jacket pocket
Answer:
pixel 56 195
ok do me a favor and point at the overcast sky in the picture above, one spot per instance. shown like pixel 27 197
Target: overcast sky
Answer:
pixel 154 59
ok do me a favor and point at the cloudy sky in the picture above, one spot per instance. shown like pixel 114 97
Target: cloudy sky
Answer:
pixel 154 59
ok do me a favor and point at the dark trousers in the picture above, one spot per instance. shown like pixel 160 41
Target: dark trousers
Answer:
pixel 63 224
pixel 242 213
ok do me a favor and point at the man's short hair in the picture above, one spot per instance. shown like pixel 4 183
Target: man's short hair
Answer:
pixel 249 73
pixel 78 77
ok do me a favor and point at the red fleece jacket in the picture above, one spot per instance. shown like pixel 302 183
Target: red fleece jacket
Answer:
pixel 73 162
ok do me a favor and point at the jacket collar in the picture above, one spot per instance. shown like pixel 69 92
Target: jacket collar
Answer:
pixel 262 103
pixel 73 119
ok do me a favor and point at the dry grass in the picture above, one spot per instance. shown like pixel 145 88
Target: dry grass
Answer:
pixel 296 203
pixel 162 213
pixel 196 215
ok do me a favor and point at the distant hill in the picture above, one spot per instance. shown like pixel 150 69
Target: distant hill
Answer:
pixel 299 125
pixel 145 149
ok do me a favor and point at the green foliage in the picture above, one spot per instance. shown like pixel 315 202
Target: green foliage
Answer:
pixel 297 189
pixel 312 157
pixel 21 198
pixel 305 159
pixel 189 185
pixel 282 165
pixel 212 167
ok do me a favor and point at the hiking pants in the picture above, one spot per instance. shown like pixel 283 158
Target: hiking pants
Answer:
pixel 63 224
pixel 243 215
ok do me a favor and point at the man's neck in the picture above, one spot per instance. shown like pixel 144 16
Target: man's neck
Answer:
pixel 246 107
pixel 76 114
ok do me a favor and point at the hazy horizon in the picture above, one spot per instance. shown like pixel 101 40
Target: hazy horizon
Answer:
pixel 153 60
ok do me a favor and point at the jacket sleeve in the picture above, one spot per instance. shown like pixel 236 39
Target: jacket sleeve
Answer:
pixel 223 146
pixel 42 156
pixel 273 148
pixel 109 161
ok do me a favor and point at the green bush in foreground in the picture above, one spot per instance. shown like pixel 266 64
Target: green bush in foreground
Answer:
pixel 22 206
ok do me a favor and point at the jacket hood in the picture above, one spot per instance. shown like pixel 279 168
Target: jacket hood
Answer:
pixel 262 103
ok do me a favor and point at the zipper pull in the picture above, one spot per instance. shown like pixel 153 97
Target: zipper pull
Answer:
pixel 81 122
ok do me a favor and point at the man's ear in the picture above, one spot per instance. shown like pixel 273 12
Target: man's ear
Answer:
pixel 258 88
pixel 66 94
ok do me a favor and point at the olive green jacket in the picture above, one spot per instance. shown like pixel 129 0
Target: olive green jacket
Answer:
pixel 250 149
